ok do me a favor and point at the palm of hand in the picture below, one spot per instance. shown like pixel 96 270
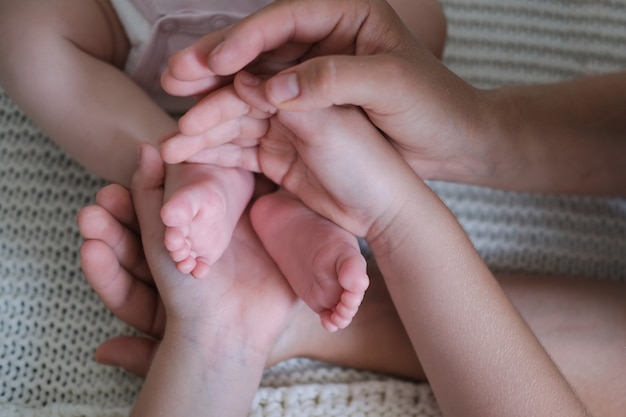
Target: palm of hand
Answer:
pixel 331 160
pixel 242 286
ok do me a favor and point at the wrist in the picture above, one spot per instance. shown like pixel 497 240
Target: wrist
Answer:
pixel 212 341
pixel 491 144
pixel 491 154
pixel 506 128
pixel 388 232
pixel 557 138
pixel 193 375
pixel 473 139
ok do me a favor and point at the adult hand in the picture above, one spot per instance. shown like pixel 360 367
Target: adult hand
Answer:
pixel 333 159
pixel 350 52
pixel 114 264
pixel 217 329
pixel 546 137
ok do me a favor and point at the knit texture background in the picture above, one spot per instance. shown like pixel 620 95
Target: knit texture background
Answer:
pixel 51 321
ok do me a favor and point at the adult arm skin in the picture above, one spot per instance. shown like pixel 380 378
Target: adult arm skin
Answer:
pixel 567 137
pixel 478 353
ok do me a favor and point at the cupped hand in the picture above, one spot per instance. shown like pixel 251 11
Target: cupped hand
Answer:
pixel 244 298
pixel 333 159
pixel 354 52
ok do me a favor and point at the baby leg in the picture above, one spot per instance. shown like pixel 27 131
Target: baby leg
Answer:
pixel 73 51
pixel 203 203
pixel 321 261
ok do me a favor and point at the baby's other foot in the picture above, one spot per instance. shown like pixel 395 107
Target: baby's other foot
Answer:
pixel 203 205
pixel 321 261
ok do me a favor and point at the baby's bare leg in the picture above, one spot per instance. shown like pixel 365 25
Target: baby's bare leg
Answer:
pixel 321 261
pixel 61 63
pixel 203 204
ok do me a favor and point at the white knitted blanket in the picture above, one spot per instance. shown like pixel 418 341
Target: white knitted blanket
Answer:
pixel 51 321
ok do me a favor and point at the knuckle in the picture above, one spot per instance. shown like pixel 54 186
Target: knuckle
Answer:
pixel 324 75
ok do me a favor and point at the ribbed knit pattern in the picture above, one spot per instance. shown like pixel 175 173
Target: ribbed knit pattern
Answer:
pixel 51 321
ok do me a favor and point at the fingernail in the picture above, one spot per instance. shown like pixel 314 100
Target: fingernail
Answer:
pixel 139 154
pixel 216 50
pixel 283 87
pixel 248 79
pixel 167 136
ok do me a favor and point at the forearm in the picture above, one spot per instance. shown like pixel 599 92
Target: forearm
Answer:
pixel 192 376
pixel 478 354
pixel 567 137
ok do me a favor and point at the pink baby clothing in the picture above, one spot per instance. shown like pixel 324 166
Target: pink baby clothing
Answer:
pixel 159 28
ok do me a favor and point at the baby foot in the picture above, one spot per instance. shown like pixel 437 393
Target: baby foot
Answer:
pixel 321 261
pixel 203 205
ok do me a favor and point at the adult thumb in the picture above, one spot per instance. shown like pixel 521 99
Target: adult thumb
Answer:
pixel 378 83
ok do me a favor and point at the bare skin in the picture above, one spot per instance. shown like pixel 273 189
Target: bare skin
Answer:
pixel 335 293
pixel 201 213
pixel 564 137
pixel 427 23
pixel 460 323
pixel 327 278
pixel 496 145
pixel 211 356
pixel 581 323
pixel 83 47
pixel 414 320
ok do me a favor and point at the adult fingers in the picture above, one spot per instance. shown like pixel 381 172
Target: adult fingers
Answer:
pixel 116 199
pixel 331 25
pixel 230 155
pixel 218 107
pixel 193 86
pixel 147 194
pixel 184 78
pixel 130 299
pixel 243 131
pixel 382 84
pixel 98 223
pixel 134 354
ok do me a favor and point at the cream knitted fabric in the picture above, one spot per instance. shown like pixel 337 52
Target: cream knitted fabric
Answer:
pixel 51 321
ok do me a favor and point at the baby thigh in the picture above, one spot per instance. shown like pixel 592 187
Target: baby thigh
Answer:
pixel 65 75
pixel 90 25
